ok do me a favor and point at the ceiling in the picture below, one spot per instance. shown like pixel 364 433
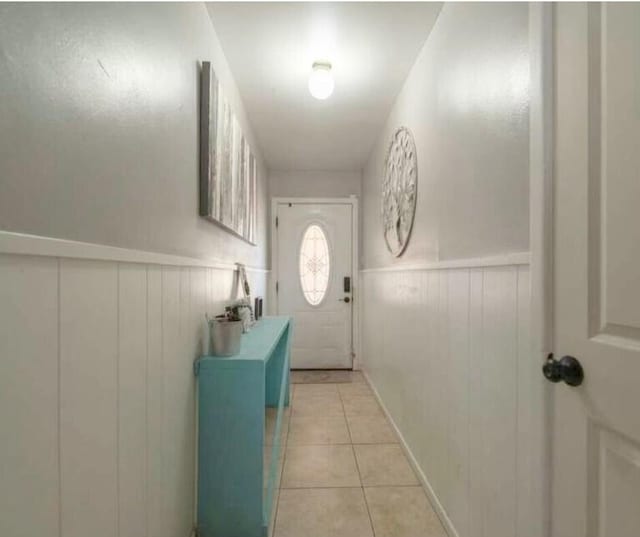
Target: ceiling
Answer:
pixel 270 47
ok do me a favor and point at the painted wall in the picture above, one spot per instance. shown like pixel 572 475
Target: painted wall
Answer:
pixel 314 184
pixel 445 328
pixel 466 103
pixel 99 114
pixel 99 143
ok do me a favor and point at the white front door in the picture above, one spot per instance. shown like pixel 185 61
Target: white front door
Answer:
pixel 596 427
pixel 314 281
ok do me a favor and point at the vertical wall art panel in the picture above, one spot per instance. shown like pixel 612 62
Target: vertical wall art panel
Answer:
pixel 228 171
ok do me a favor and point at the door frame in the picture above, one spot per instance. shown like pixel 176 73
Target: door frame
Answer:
pixel 355 272
pixel 541 225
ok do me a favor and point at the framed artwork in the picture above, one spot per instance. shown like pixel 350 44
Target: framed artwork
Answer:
pixel 228 168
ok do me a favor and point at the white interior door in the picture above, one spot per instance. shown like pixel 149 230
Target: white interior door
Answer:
pixel 596 426
pixel 314 256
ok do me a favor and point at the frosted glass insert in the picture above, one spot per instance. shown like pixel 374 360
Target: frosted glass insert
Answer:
pixel 314 264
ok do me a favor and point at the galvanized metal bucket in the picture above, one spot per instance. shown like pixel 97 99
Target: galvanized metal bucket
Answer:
pixel 225 337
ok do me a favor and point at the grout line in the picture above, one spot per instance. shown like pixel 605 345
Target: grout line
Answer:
pixel 320 487
pixel 324 487
pixel 161 497
pixel 325 444
pixel 284 458
pixel 355 458
pixel 59 357
pixel 146 404
pixel 467 521
pixel 517 398
pixel 344 415
pixel 483 503
pixel 119 344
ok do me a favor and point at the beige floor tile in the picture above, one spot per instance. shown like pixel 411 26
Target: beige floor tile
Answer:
pixel 356 376
pixel 354 388
pixel 333 512
pixel 384 464
pixel 270 424
pixel 320 466
pixel 402 512
pixel 321 376
pixel 302 393
pixel 316 389
pixel 320 405
pixel 361 405
pixel 314 430
pixel 371 430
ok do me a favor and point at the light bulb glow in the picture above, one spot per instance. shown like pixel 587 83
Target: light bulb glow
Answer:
pixel 321 81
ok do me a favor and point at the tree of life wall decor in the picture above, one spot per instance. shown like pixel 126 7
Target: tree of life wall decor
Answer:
pixel 399 190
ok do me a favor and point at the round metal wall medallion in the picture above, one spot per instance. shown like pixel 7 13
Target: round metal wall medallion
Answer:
pixel 399 190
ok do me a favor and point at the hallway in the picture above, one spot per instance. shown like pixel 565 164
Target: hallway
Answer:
pixel 344 474
pixel 426 211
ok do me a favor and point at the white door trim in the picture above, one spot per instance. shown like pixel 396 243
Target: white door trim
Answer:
pixel 355 280
pixel 541 246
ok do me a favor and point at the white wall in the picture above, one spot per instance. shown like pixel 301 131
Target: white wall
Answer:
pixel 314 184
pixel 99 143
pixel 445 327
pixel 466 103
pixel 99 114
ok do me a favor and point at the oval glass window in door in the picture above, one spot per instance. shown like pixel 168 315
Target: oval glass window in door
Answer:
pixel 314 264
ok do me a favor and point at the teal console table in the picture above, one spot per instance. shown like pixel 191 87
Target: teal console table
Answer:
pixel 234 500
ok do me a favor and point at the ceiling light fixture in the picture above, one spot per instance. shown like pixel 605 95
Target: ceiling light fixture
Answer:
pixel 321 81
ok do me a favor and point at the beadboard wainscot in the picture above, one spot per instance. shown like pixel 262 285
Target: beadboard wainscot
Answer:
pixel 97 392
pixel 447 350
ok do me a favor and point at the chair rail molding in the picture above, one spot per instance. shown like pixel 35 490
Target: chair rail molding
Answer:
pixel 504 260
pixel 25 244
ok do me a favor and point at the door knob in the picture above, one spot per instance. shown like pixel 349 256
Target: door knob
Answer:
pixel 567 369
pixel 345 299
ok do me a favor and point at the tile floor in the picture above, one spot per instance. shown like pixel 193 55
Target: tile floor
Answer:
pixel 344 473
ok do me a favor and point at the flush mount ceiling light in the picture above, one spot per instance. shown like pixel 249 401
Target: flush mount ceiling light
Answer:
pixel 321 81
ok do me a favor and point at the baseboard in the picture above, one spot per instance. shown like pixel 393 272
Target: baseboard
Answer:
pixel 431 495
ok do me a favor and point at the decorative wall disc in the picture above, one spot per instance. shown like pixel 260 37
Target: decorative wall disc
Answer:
pixel 399 190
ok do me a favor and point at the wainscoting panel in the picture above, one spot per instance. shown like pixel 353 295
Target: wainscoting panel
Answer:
pixel 97 394
pixel 155 449
pixel 29 455
pixel 88 397
pixel 132 401
pixel 445 350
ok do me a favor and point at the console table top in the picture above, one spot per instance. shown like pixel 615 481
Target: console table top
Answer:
pixel 257 345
